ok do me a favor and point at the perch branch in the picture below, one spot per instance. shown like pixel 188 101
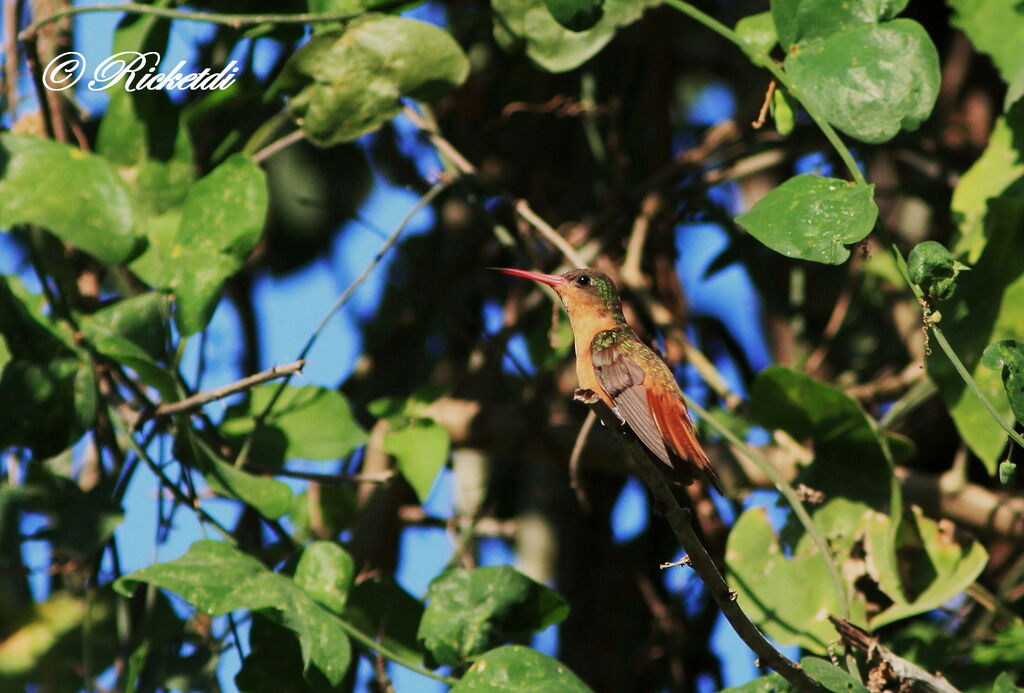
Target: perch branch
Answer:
pixel 679 520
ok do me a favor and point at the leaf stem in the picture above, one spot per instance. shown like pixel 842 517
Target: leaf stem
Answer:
pixel 387 653
pixel 789 494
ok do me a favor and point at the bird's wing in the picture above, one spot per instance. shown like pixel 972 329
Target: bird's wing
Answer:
pixel 622 378
pixel 657 414
pixel 673 420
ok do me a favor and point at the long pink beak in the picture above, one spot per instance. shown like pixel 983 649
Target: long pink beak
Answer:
pixel 549 279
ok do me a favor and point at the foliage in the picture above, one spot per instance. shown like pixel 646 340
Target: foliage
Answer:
pixel 127 230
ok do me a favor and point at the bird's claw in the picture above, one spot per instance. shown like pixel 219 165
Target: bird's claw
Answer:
pixel 586 396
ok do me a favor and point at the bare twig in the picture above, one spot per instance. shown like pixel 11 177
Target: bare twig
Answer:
pixel 679 520
pixel 438 140
pixel 278 144
pixel 197 400
pixel 480 526
pixel 325 479
pixel 425 200
pixel 523 210
pixel 12 13
pixel 574 460
pixel 763 115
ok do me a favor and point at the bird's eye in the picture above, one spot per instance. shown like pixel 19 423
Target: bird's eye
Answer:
pixel 583 280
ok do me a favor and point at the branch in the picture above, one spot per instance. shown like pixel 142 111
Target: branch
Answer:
pixel 523 209
pixel 679 520
pixel 278 144
pixel 234 21
pixel 202 398
pixel 427 198
pixel 889 671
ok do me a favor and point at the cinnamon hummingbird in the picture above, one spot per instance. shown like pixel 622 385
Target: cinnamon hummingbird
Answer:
pixel 614 365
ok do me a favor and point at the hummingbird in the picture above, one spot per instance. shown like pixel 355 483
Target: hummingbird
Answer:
pixel 614 365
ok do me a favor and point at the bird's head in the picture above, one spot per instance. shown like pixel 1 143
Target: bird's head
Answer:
pixel 583 291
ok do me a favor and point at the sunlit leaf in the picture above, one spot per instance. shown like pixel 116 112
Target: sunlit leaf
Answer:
pixel 420 450
pixel 470 612
pixel 528 25
pixel 307 422
pixel 76 195
pixel 813 218
pixel 216 578
pixel 870 81
pixel 348 82
pixel 326 571
pixel 518 669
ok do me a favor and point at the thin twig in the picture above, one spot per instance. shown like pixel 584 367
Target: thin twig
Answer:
pixel 325 479
pixel 278 144
pixel 523 209
pixel 202 398
pixel 12 13
pixel 679 521
pixel 763 115
pixel 574 461
pixel 232 20
pixel 427 198
pixel 439 141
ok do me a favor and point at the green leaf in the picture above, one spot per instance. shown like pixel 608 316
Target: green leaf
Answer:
pixel 764 578
pixel 772 683
pixel 220 221
pixel 997 171
pixel 45 373
pixel 75 195
pixel 391 615
pixel 576 15
pixel 308 422
pixel 518 669
pixel 812 218
pixel 995 27
pixel 850 465
pixel 527 25
pixel 757 32
pixel 1007 357
pixel 420 450
pixel 216 578
pixel 326 571
pixel 470 612
pixel 783 111
pixel 348 82
pixel 133 332
pixel 1005 684
pixel 947 565
pixel 270 497
pixel 28 639
pixel 274 663
pixel 931 267
pixel 870 81
pixel 831 677
pixel 988 307
pixel 803 20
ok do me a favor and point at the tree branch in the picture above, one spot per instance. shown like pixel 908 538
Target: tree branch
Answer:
pixel 679 520
pixel 198 400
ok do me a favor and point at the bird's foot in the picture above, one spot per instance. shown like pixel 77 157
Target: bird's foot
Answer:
pixel 586 396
